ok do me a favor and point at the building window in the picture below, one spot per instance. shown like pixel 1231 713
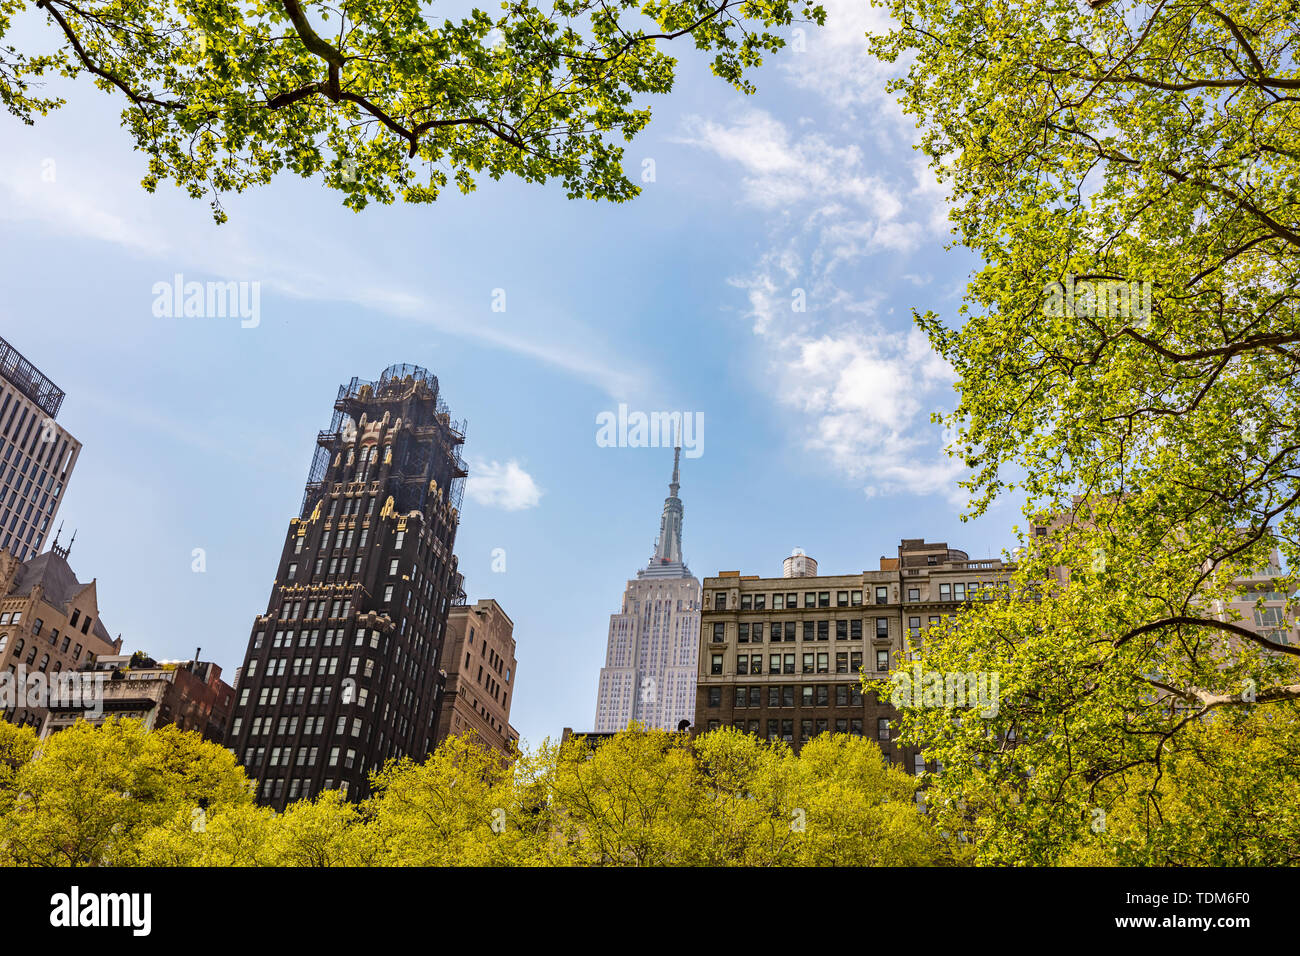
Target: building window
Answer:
pixel 882 628
pixel 37 624
pixel 715 664
pixel 823 630
pixel 719 601
pixel 719 633
pixel 841 630
pixel 808 663
pixel 882 660
pixel 823 598
pixel 945 592
pixel 841 598
pixel 715 696
pixel 882 729
pixel 882 595
pixel 913 595
pixel 760 602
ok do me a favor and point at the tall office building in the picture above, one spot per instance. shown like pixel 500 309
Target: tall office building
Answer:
pixel 36 454
pixel 343 669
pixel 651 656
pixel 481 669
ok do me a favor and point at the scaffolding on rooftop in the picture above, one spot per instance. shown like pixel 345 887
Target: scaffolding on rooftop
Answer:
pixel 391 384
pixel 27 378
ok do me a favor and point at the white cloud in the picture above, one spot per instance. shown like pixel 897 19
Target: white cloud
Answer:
pixel 865 390
pixel 507 486
pixel 781 170
pixel 837 66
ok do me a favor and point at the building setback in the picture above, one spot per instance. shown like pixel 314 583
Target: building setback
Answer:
pixel 342 672
pixel 189 695
pixel 36 454
pixel 651 654
pixel 481 672
pixel 781 657
pixel 49 623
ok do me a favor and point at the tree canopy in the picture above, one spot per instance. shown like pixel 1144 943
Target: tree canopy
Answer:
pixel 118 795
pixel 385 101
pixel 1126 361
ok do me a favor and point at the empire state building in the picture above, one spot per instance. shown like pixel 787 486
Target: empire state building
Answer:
pixel 653 648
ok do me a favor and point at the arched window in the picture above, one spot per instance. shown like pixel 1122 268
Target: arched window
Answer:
pixel 45 662
pixel 32 656
pixel 4 642
pixel 18 648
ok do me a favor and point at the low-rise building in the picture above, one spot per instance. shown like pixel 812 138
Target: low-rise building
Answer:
pixel 189 695
pixel 783 657
pixel 49 625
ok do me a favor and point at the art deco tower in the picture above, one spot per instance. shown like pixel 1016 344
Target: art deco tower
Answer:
pixel 343 669
pixel 653 648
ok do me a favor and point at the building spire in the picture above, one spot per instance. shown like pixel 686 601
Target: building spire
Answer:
pixel 668 549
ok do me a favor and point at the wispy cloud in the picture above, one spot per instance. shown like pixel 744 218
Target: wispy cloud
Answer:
pixel 84 201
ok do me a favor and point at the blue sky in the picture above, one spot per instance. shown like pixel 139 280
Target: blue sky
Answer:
pixel 198 433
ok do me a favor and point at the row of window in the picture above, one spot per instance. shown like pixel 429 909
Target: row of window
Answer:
pixel 812 662
pixel 846 662
pixel 751 632
pixel 810 727
pixel 784 695
pixel 948 591
pixel 54 641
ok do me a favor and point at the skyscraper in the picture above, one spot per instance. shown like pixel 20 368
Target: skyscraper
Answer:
pixel 36 454
pixel 343 669
pixel 653 648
